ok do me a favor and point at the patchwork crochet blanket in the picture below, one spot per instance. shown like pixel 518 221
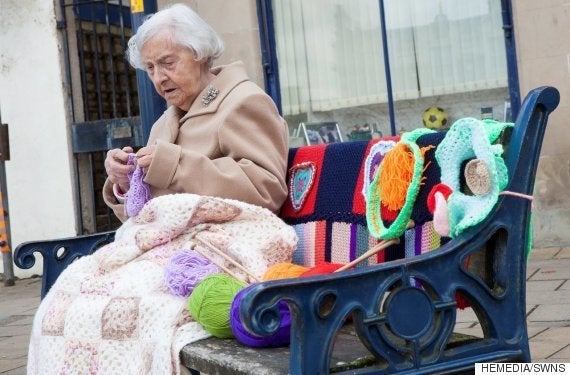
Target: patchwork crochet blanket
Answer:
pixel 111 312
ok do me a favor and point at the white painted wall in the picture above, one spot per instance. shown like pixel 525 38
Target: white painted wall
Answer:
pixel 32 103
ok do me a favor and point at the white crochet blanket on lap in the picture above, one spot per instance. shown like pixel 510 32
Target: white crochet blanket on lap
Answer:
pixel 111 312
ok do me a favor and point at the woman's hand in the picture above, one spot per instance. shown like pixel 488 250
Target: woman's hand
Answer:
pixel 117 168
pixel 144 156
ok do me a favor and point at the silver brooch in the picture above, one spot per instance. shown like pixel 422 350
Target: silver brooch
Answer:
pixel 210 95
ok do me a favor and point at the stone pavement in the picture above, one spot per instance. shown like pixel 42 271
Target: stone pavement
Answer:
pixel 547 306
pixel 18 304
pixel 548 309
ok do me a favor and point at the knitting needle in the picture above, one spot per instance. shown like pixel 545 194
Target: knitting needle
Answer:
pixel 211 259
pixel 379 246
pixel 226 257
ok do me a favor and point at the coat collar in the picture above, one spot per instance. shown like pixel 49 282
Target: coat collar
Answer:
pixel 227 77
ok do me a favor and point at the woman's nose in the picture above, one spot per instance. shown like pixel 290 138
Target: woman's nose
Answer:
pixel 158 76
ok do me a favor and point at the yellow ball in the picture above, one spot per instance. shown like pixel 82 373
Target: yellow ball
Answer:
pixel 435 118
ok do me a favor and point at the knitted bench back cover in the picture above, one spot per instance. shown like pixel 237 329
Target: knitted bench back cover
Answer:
pixel 327 208
pixel 326 205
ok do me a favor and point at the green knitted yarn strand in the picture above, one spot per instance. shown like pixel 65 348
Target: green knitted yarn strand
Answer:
pixel 210 303
pixel 530 233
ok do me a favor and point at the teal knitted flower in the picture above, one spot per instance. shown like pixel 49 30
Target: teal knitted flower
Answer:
pixel 469 139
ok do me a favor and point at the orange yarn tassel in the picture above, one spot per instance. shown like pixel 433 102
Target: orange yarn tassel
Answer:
pixel 396 176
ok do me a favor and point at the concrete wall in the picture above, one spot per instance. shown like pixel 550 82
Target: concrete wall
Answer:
pixel 542 31
pixel 39 174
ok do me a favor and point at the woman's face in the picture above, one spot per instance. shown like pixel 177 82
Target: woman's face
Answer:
pixel 173 70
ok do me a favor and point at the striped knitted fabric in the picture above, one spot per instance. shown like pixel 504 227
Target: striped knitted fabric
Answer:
pixel 331 221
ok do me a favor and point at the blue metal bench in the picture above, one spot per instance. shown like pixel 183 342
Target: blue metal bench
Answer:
pixel 397 327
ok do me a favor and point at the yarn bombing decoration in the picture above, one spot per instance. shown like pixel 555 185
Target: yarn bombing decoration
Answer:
pixel 185 269
pixel 373 160
pixel 396 186
pixel 302 178
pixel 466 140
pixel 281 336
pixel 210 303
pixel 331 225
pixel 139 191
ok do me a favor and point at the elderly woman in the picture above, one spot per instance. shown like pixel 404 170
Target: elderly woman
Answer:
pixel 221 135
pixel 222 145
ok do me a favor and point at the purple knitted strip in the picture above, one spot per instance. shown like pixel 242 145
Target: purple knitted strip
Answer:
pixel 139 191
pixel 353 239
pixel 418 240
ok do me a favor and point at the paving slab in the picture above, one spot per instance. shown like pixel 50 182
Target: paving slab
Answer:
pixel 547 297
pixel 551 271
pixel 564 253
pixel 563 355
pixel 544 253
pixel 466 316
pixel 13 366
pixel 552 312
pixel 559 334
pixel 541 350
pixel 544 285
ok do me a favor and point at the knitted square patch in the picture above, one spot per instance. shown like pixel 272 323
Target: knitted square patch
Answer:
pixel 120 319
pixel 80 355
pixel 54 319
pixel 212 210
pixel 98 285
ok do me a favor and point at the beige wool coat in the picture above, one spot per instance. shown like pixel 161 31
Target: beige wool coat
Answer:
pixel 235 147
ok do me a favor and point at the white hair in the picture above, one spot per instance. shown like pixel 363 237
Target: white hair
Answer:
pixel 187 29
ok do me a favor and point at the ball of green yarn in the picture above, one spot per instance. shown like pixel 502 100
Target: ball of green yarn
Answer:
pixel 210 303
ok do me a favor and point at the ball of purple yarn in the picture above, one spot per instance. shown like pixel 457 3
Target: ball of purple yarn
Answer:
pixel 185 270
pixel 281 337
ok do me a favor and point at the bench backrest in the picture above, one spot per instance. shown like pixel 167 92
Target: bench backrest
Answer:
pixel 326 205
pixel 327 208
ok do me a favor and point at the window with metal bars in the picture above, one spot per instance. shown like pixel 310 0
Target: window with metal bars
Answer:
pixel 102 92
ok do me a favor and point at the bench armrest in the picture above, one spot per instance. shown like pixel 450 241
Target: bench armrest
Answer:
pixel 404 311
pixel 58 254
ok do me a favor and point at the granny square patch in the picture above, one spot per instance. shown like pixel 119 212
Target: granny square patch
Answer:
pixel 302 178
pixel 373 160
pixel 80 355
pixel 53 322
pixel 120 318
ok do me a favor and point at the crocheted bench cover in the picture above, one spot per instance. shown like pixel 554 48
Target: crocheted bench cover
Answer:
pixel 327 208
pixel 340 210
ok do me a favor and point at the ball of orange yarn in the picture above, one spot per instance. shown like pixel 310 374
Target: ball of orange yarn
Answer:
pixel 322 268
pixel 283 271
